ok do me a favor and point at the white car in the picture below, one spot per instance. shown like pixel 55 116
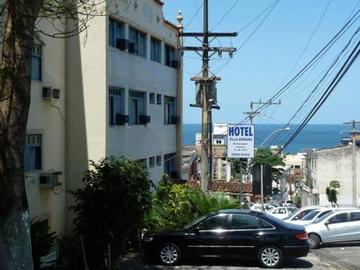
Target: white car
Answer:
pixel 281 212
pixel 312 216
pixel 338 226
pixel 299 214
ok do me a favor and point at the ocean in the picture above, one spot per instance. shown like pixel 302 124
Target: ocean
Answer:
pixel 312 136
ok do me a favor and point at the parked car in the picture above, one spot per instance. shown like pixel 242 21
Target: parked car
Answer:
pixel 258 207
pixel 289 203
pixel 238 233
pixel 300 213
pixel 339 226
pixel 281 212
pixel 312 216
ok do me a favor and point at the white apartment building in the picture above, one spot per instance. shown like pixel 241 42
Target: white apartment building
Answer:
pixel 114 90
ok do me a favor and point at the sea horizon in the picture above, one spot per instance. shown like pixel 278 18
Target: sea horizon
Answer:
pixel 313 136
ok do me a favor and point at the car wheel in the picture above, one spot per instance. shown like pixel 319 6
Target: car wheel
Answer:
pixel 270 256
pixel 314 240
pixel 169 254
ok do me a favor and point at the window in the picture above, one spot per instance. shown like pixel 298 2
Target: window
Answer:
pixel 169 165
pixel 169 55
pixel 152 162
pixel 139 41
pixel 152 98
pixel 116 31
pixel 214 222
pixel 244 222
pixel 36 62
pixel 158 99
pixel 155 50
pixel 338 218
pixel 137 106
pixel 33 158
pixel 117 107
pixel 170 110
pixel 355 216
pixel 158 160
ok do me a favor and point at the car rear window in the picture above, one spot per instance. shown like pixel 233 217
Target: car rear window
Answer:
pixel 355 216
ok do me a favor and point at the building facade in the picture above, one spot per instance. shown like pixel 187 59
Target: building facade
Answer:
pixel 113 90
pixel 341 164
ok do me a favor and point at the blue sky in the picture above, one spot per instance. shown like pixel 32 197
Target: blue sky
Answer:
pixel 264 62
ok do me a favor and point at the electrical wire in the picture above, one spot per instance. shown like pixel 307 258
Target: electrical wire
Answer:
pixel 324 77
pixel 194 16
pixel 274 4
pixel 315 59
pixel 339 76
pixel 309 40
pixel 226 14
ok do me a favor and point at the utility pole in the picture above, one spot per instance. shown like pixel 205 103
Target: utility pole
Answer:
pixel 354 180
pixel 252 113
pixel 206 96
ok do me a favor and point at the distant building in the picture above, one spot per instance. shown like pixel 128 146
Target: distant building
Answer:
pixel 341 164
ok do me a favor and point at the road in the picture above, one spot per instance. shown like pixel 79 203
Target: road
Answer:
pixel 313 261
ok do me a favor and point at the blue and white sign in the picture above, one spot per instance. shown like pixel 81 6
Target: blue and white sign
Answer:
pixel 240 141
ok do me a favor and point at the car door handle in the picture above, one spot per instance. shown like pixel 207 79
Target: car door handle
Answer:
pixel 258 236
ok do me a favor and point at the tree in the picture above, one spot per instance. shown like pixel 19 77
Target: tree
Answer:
pixel 111 206
pixel 332 192
pixel 17 23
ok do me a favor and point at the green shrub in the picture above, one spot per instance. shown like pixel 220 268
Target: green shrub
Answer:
pixel 175 205
pixel 110 207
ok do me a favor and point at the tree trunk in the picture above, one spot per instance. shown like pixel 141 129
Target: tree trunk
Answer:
pixel 15 80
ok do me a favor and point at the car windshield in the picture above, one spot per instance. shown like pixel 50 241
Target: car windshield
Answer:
pixel 188 226
pixel 310 215
pixel 322 217
pixel 292 215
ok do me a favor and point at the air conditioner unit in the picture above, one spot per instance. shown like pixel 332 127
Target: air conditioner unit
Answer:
pixel 121 119
pixel 49 180
pixel 175 64
pixel 47 92
pixel 132 47
pixel 50 93
pixel 122 43
pixel 56 93
pixel 174 120
pixel 144 119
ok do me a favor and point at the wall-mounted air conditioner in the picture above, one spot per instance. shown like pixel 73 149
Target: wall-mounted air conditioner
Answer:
pixel 49 179
pixel 174 120
pixel 50 93
pixel 122 43
pixel 132 47
pixel 144 119
pixel 121 119
pixel 175 64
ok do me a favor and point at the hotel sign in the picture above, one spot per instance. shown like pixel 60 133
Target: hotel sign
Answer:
pixel 240 141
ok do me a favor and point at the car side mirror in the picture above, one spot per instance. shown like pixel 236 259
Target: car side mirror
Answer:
pixel 296 218
pixel 327 222
pixel 196 230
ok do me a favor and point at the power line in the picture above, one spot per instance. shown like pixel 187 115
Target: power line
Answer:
pixel 344 69
pixel 273 5
pixel 226 14
pixel 321 80
pixel 309 39
pixel 314 60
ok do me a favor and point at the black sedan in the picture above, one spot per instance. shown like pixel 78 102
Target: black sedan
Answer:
pixel 245 234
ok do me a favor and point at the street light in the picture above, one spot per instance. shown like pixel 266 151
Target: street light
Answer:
pixel 272 133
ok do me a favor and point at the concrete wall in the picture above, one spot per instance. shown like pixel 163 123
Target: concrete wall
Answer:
pixel 336 164
pixel 47 117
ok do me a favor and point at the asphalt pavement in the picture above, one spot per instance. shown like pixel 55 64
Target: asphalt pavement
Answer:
pixel 315 260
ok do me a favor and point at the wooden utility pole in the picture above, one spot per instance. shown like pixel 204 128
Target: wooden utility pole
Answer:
pixel 354 180
pixel 206 98
pixel 252 113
